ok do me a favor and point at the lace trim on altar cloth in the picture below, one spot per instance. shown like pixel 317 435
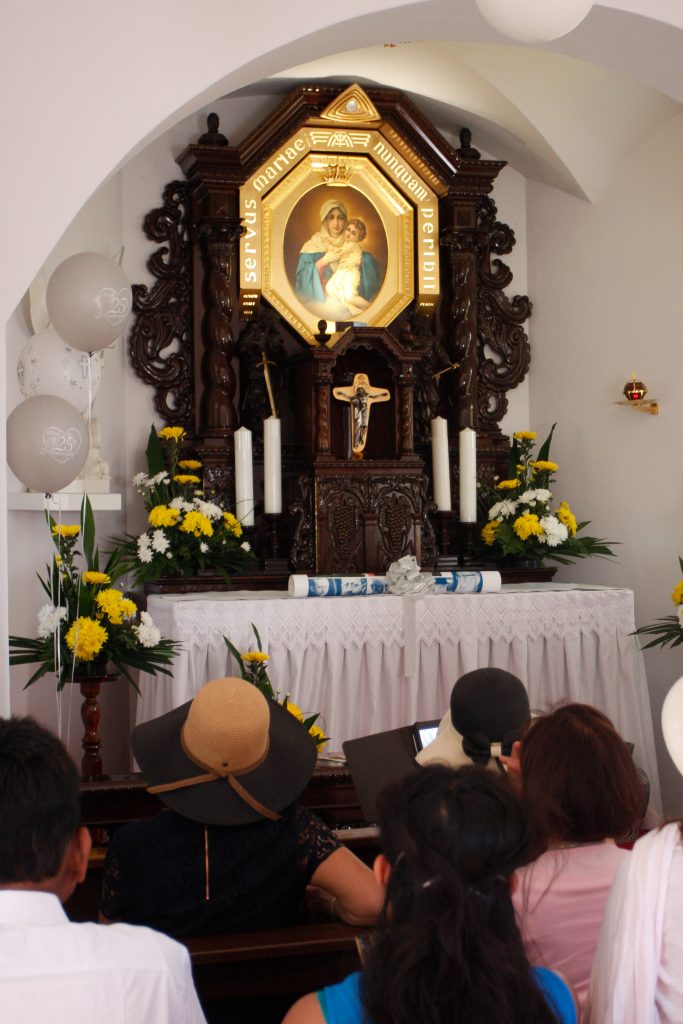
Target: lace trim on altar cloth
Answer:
pixel 381 621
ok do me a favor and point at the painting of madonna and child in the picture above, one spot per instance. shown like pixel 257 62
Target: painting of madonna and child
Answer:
pixel 335 249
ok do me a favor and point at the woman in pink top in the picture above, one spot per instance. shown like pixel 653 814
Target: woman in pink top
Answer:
pixel 582 790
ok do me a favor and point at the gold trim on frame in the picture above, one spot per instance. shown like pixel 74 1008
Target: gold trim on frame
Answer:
pixel 371 194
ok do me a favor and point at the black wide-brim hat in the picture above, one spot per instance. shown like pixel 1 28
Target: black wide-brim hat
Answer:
pixel 228 757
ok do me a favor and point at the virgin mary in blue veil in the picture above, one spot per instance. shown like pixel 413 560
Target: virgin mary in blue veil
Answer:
pixel 311 279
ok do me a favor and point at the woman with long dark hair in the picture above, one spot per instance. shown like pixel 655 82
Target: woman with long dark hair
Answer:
pixel 583 792
pixel 448 948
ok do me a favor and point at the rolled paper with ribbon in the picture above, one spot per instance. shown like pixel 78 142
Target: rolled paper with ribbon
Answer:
pixel 487 582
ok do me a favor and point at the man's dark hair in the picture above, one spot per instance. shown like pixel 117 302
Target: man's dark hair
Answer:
pixel 39 801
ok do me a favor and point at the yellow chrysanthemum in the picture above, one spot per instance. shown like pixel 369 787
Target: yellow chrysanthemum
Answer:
pixel 189 464
pixel 507 485
pixel 488 534
pixel 527 525
pixel 294 710
pixel 58 559
pixel 172 433
pixel 232 524
pixel 86 638
pixel 544 467
pixel 95 577
pixel 110 603
pixel 677 595
pixel 319 736
pixel 197 524
pixel 525 435
pixel 566 516
pixel 186 478
pixel 62 530
pixel 255 657
pixel 162 515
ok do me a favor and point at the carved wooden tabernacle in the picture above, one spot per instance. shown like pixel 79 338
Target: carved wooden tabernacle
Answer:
pixel 203 330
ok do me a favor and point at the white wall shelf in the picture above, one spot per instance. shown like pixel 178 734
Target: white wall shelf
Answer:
pixel 32 501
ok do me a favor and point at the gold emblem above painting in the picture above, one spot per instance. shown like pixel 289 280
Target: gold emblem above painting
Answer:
pixel 341 224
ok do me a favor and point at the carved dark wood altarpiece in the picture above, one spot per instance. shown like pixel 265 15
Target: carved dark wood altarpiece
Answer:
pixel 188 342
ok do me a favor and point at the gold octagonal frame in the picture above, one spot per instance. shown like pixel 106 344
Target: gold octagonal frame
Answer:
pixel 307 277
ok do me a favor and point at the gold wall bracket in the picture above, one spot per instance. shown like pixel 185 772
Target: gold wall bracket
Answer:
pixel 650 405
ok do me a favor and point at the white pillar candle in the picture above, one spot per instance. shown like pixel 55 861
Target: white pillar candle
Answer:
pixel 244 477
pixel 272 468
pixel 441 474
pixel 468 475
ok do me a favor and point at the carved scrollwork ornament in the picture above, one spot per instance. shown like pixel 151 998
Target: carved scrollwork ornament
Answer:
pixel 161 344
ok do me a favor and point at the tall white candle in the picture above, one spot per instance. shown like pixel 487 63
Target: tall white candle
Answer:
pixel 468 475
pixel 441 474
pixel 272 468
pixel 244 477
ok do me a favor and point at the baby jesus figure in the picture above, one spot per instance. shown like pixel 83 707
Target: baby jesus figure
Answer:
pixel 344 284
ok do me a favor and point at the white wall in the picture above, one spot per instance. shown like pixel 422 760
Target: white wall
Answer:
pixel 605 281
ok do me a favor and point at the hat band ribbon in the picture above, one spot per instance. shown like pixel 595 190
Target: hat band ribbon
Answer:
pixel 212 776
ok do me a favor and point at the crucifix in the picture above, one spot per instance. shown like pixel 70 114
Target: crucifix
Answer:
pixel 360 395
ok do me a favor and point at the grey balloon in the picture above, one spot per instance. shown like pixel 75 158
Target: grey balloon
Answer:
pixel 47 443
pixel 89 301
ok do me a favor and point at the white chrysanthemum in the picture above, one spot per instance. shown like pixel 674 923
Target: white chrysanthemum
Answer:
pixel 181 504
pixel 531 497
pixel 554 532
pixel 503 509
pixel 147 633
pixel 160 478
pixel 160 541
pixel 49 618
pixel 203 547
pixel 144 548
pixel 139 478
pixel 246 546
pixel 208 508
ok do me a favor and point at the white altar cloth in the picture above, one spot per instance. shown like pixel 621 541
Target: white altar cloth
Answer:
pixel 378 662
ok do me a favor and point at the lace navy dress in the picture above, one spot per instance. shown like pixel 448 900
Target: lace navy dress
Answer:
pixel 185 878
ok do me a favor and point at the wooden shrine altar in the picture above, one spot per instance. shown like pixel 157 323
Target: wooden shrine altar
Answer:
pixel 435 329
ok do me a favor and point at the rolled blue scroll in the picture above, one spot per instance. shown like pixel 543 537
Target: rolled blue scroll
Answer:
pixel 474 582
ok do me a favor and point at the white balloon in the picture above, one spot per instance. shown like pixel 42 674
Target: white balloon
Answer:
pixel 672 723
pixel 48 366
pixel 47 443
pixel 534 21
pixel 89 300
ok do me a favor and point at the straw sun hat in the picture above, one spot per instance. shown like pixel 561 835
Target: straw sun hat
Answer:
pixel 228 757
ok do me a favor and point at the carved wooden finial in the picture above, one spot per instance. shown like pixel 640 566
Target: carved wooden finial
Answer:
pixel 213 137
pixel 466 149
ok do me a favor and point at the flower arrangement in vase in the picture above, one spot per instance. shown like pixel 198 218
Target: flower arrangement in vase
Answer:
pixel 523 522
pixel 88 623
pixel 186 533
pixel 254 668
pixel 667 631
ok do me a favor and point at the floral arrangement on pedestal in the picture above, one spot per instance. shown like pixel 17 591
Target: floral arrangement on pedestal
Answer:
pixel 187 533
pixel 254 668
pixel 667 631
pixel 523 523
pixel 88 623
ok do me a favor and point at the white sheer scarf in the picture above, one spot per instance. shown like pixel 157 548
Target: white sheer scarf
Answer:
pixel 627 961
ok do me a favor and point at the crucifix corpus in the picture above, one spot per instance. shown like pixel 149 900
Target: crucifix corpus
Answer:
pixel 360 395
